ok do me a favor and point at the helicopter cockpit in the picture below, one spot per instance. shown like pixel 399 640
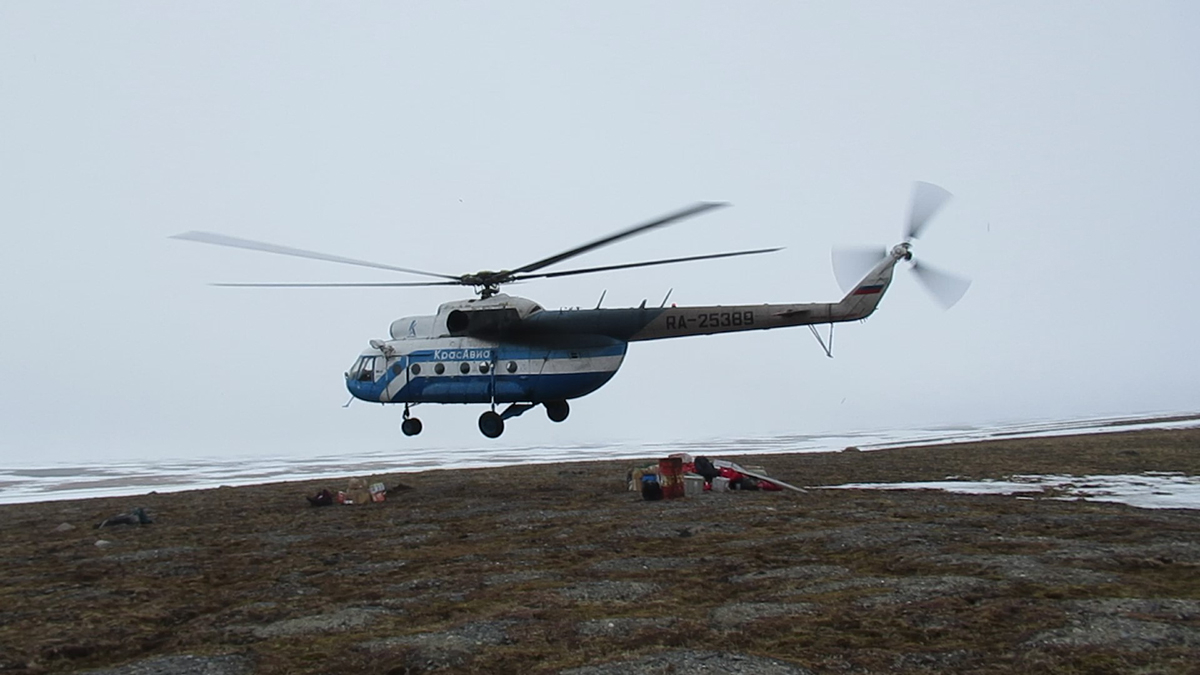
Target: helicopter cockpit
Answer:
pixel 365 369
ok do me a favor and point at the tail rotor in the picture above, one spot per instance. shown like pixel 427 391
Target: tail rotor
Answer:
pixel 851 264
pixel 946 288
pixel 927 200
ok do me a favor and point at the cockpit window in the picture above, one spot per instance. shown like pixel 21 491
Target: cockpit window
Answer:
pixel 364 369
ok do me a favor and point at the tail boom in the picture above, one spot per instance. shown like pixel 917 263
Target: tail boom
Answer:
pixel 859 303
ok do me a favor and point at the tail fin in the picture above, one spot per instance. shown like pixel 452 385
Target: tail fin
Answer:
pixel 863 299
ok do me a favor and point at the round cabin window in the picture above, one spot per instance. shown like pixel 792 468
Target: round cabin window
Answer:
pixel 512 366
pixel 484 367
pixel 439 368
pixel 416 369
pixel 464 368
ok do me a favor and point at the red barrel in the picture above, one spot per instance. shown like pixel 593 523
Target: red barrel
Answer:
pixel 670 476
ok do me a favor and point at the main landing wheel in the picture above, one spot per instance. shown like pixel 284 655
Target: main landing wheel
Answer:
pixel 557 411
pixel 411 426
pixel 491 424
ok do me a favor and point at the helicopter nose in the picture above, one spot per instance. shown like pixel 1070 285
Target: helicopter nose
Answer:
pixel 357 390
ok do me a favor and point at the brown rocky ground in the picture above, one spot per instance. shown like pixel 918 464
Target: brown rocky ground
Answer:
pixel 558 569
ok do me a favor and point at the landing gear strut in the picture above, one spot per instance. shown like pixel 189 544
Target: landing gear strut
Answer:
pixel 411 426
pixel 491 424
pixel 557 411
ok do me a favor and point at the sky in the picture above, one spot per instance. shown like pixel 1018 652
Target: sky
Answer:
pixel 459 136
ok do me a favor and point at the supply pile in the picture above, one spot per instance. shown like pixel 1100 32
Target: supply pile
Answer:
pixel 681 475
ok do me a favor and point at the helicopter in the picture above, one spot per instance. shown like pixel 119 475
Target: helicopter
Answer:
pixel 503 350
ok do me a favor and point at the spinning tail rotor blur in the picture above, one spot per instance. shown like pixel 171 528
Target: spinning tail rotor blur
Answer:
pixel 851 264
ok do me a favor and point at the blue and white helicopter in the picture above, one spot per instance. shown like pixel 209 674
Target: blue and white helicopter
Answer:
pixel 498 349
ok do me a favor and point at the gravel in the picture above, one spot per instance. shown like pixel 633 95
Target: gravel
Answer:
pixel 800 572
pixel 609 591
pixel 184 664
pixel 647 563
pixel 729 617
pixel 900 590
pixel 343 620
pixel 1119 633
pixel 1023 568
pixel 620 627
pixel 1130 624
pixel 517 577
pixel 453 648
pixel 1162 609
pixel 892 537
pixel 685 661
pixel 935 662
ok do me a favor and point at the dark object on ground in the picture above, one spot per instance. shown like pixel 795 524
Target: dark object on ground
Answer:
pixel 322 498
pixel 135 517
pixel 704 467
pixel 651 490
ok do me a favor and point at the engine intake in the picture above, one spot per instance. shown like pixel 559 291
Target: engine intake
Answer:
pixel 482 323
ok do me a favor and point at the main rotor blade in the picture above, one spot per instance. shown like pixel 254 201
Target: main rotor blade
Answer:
pixel 946 288
pixel 692 210
pixel 648 263
pixel 348 284
pixel 236 242
pixel 927 199
pixel 851 264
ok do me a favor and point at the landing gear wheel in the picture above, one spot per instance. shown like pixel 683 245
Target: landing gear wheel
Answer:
pixel 557 411
pixel 411 426
pixel 491 424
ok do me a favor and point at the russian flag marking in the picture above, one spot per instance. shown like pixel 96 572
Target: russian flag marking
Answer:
pixel 869 290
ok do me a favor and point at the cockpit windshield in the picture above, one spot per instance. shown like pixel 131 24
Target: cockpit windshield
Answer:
pixel 363 369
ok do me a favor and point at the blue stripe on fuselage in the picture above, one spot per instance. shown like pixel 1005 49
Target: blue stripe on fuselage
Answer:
pixel 510 353
pixel 477 387
pixel 509 388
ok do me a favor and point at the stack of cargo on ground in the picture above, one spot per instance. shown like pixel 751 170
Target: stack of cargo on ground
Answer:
pixel 681 475
pixel 356 492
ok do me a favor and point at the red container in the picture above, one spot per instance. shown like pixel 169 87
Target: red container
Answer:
pixel 670 476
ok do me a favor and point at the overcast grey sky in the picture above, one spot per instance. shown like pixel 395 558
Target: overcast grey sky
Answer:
pixel 457 136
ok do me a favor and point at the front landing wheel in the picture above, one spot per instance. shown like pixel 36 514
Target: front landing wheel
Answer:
pixel 491 424
pixel 557 411
pixel 411 426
